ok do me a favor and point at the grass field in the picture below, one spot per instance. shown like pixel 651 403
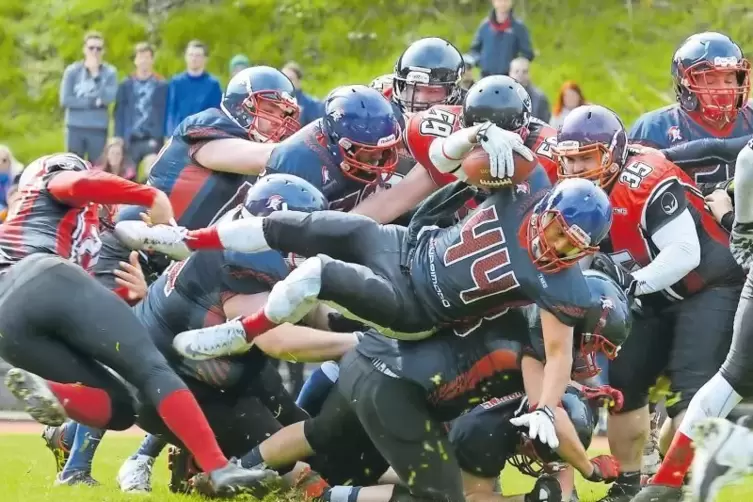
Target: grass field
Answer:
pixel 27 474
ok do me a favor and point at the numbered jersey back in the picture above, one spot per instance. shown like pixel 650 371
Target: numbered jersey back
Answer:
pixel 423 128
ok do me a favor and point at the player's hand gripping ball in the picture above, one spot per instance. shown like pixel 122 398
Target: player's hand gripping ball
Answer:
pixel 476 167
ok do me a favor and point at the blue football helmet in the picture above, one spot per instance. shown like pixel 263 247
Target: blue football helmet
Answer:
pixel 282 192
pixel 261 99
pixel 567 224
pixel 711 75
pixel 362 133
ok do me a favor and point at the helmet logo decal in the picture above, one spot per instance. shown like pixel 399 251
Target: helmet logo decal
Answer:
pixel 726 61
pixel 386 140
pixel 417 77
pixel 277 203
pixel 674 134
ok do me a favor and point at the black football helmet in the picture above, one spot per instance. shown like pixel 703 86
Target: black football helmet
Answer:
pixel 501 100
pixel 261 99
pixel 427 74
pixel 711 75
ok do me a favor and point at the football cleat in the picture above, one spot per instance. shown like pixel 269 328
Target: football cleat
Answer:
pixel 658 493
pixel 165 239
pixel 78 478
pixel 234 480
pixel 135 475
pixel 207 343
pixel 296 295
pixel 53 439
pixel 39 400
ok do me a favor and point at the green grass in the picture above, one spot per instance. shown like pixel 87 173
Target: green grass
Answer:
pixel 27 473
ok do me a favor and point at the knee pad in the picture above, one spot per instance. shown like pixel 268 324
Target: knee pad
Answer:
pixel 122 412
pixel 296 295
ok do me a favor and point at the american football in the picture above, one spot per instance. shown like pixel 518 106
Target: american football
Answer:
pixel 476 168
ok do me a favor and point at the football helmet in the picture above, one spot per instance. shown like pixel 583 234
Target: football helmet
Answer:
pixel 282 192
pixel 501 100
pixel 427 74
pixel 261 100
pixel 361 132
pixel 589 129
pixel 711 75
pixel 567 224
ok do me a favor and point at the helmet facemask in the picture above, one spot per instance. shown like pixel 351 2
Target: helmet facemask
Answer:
pixel 416 92
pixel 369 163
pixel 708 88
pixel 603 174
pixel 273 115
pixel 553 245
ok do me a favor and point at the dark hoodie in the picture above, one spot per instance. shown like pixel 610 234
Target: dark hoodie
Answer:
pixel 496 44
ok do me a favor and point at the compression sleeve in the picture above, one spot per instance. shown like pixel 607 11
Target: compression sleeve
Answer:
pixel 744 185
pixel 704 152
pixel 446 154
pixel 78 188
pixel 679 253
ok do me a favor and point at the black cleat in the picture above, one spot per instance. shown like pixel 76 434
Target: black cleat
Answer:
pixel 182 469
pixel 53 439
pixel 234 480
pixel 546 489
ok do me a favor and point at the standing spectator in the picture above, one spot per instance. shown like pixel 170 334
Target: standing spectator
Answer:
pixel 86 90
pixel 115 161
pixel 569 98
pixel 311 108
pixel 192 91
pixel 519 70
pixel 6 174
pixel 499 39
pixel 237 63
pixel 467 80
pixel 140 108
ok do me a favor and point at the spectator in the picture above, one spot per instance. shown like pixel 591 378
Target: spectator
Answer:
pixel 519 70
pixel 467 80
pixel 86 90
pixel 12 196
pixel 237 63
pixel 15 166
pixel 115 161
pixel 9 169
pixel 192 91
pixel 569 98
pixel 499 39
pixel 311 108
pixel 140 108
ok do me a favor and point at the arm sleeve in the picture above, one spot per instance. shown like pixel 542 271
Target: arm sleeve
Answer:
pixel 704 152
pixel 119 110
pixel 78 188
pixel 109 86
pixel 744 185
pixel 679 253
pixel 68 98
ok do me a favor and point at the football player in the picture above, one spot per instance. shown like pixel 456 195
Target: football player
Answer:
pixel 666 248
pixel 434 381
pixel 711 80
pixel 497 99
pixel 61 344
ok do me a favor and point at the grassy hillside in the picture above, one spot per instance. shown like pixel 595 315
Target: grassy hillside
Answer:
pixel 620 55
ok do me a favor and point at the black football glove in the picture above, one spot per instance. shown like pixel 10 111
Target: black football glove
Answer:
pixel 741 243
pixel 624 279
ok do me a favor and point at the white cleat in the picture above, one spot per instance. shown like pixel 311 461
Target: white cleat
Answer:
pixel 296 295
pixel 165 239
pixel 723 456
pixel 135 475
pixel 215 341
pixel 39 400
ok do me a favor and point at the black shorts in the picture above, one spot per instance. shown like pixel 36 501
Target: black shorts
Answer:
pixel 395 415
pixel 344 452
pixel 738 366
pixel 361 264
pixel 59 323
pixel 687 342
pixel 484 438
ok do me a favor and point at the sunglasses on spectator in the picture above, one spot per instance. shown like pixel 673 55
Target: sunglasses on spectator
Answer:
pixel 95 48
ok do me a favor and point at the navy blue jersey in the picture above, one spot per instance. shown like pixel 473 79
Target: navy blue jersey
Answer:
pixel 305 155
pixel 481 266
pixel 197 194
pixel 671 125
pixel 457 371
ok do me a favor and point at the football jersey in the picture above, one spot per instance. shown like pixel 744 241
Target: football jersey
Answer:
pixel 44 224
pixel 650 192
pixel 671 125
pixel 456 372
pixel 481 266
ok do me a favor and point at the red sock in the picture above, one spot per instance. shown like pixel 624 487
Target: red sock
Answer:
pixel 204 238
pixel 87 405
pixel 256 324
pixel 676 463
pixel 182 415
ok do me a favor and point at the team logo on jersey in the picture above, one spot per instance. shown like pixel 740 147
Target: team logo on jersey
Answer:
pixel 277 203
pixel 326 178
pixel 673 133
pixel 523 188
pixel 669 203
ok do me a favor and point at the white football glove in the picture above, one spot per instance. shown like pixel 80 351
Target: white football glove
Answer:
pixel 500 145
pixel 540 423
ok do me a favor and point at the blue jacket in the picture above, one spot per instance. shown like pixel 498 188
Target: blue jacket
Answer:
pixel 188 96
pixel 125 109
pixel 495 44
pixel 311 108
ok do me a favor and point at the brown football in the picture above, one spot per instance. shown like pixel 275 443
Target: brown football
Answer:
pixel 476 167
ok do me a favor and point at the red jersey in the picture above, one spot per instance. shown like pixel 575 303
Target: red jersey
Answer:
pixel 440 121
pixel 650 192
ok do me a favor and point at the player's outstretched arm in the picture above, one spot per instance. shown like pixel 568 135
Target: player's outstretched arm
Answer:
pixel 234 155
pixel 704 152
pixel 387 205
